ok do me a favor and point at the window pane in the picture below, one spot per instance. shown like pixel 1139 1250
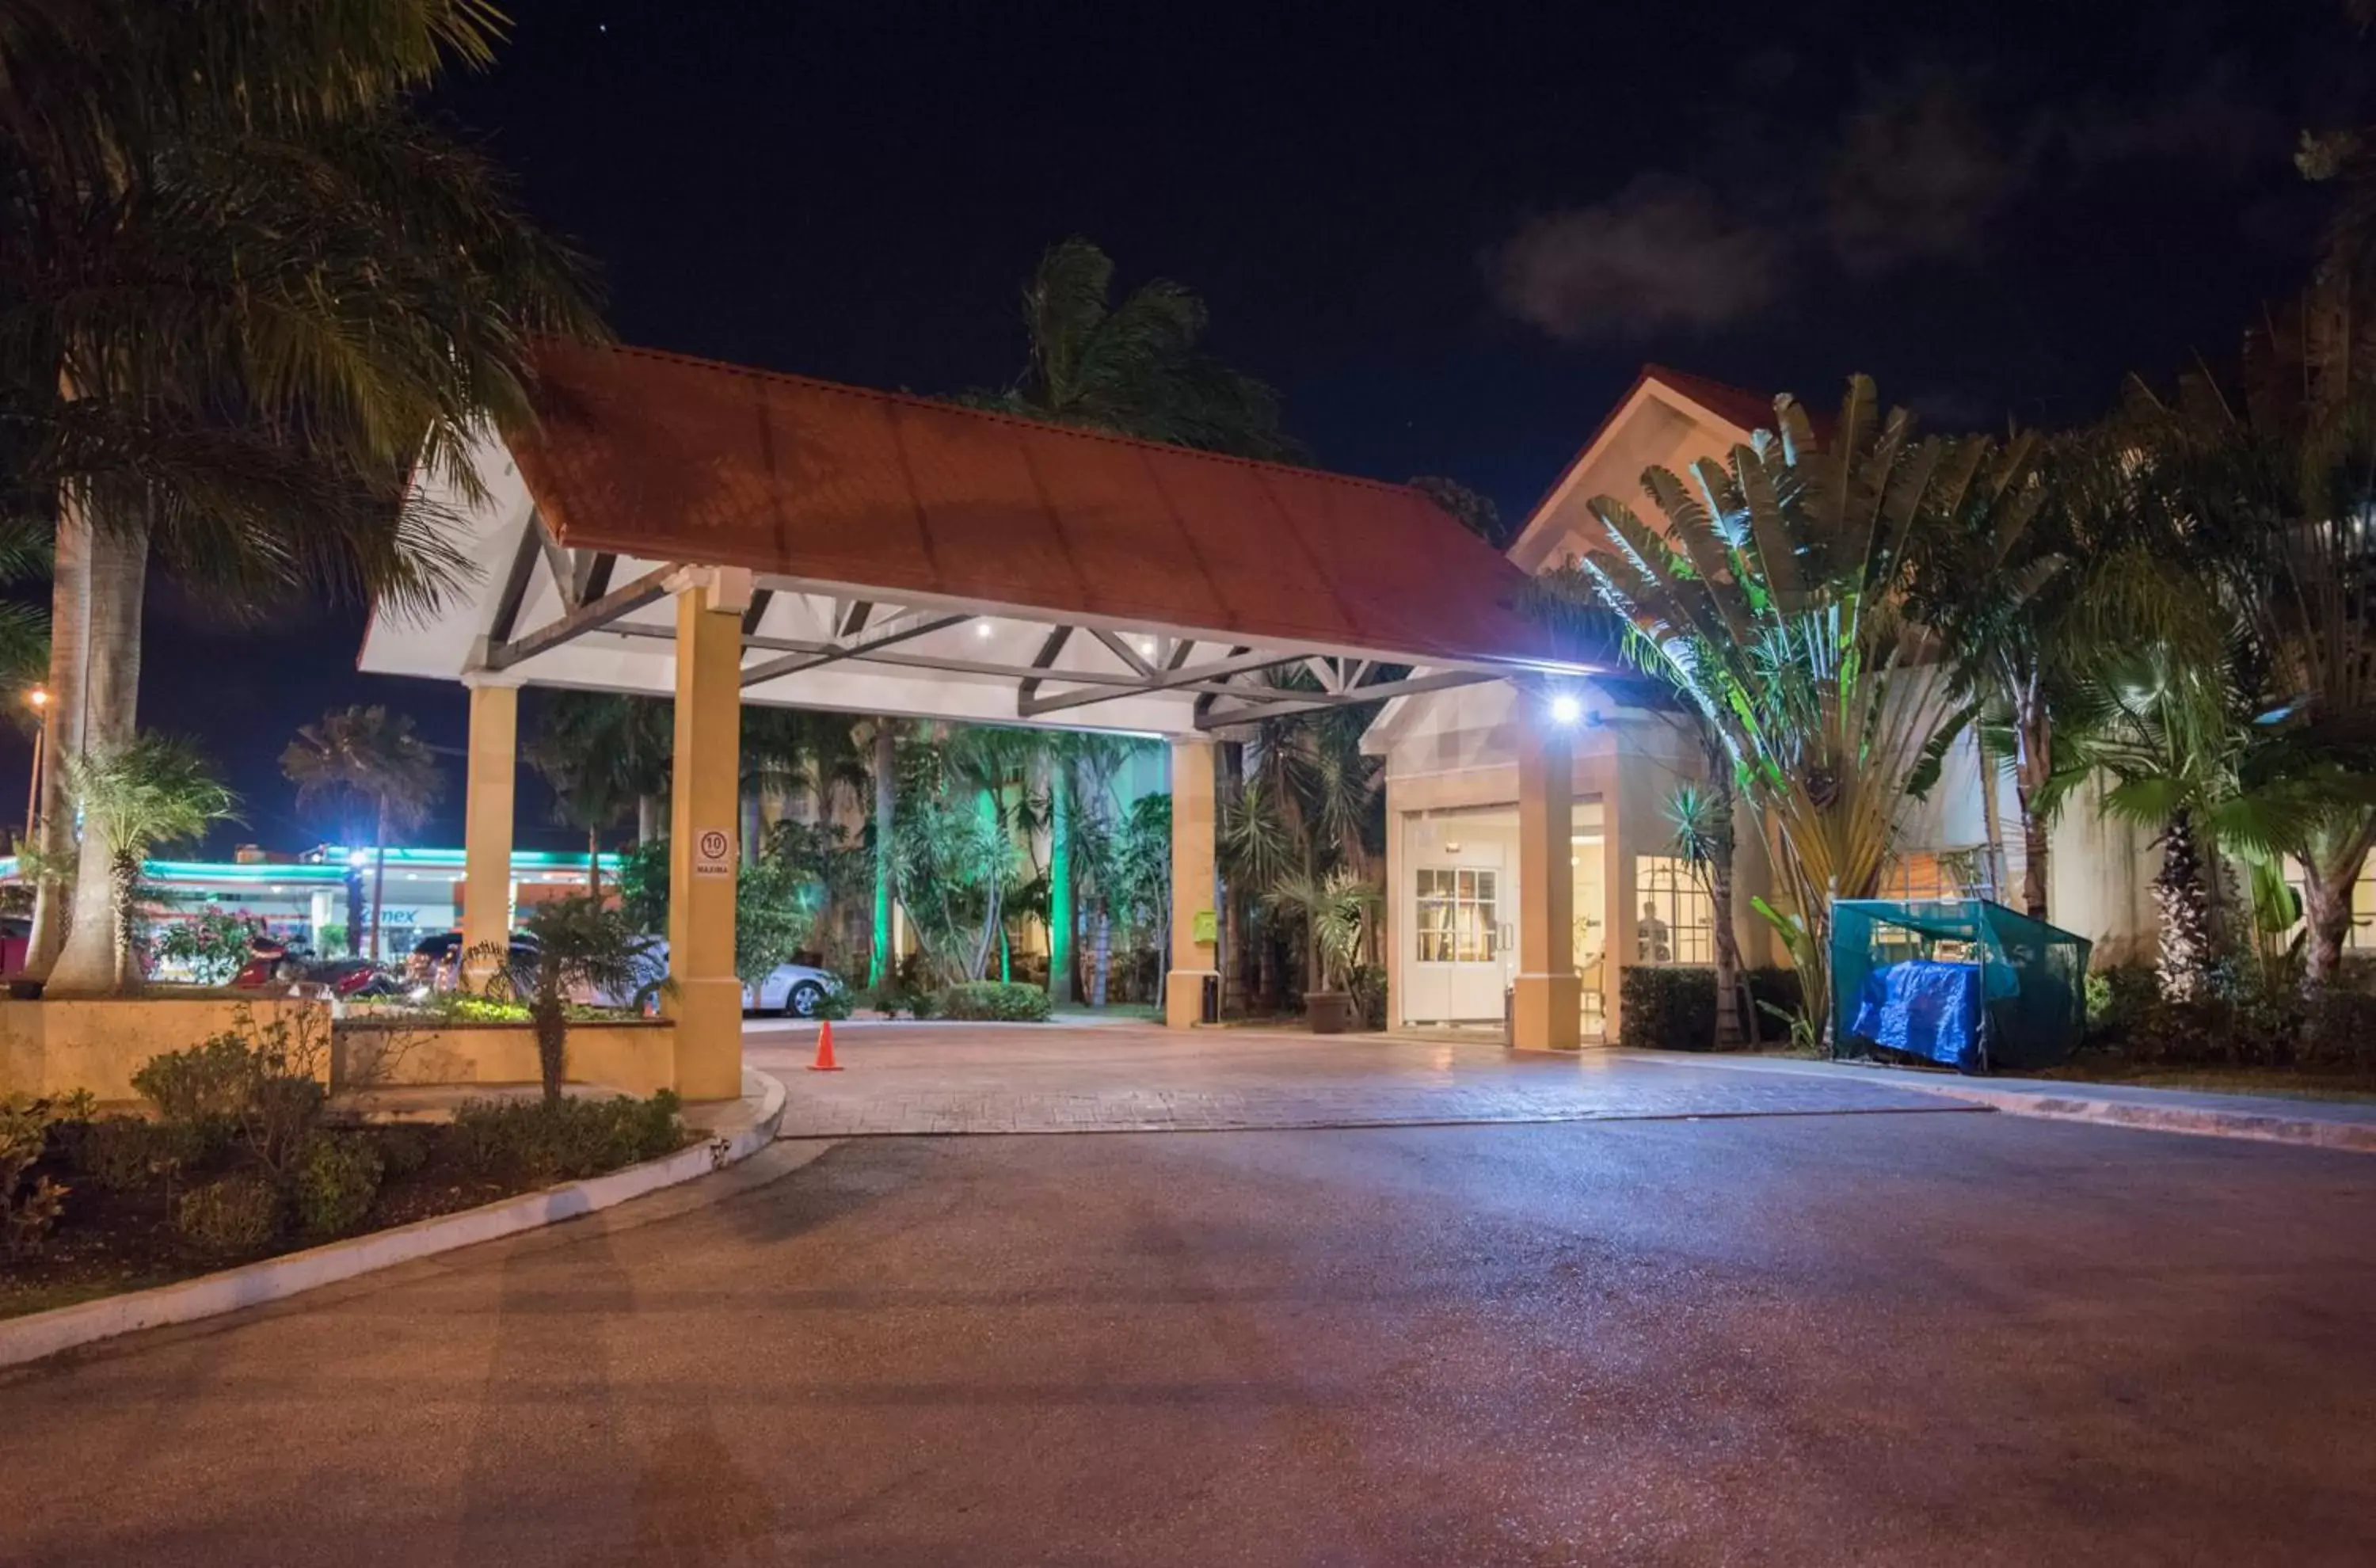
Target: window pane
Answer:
pixel 1468 884
pixel 1485 892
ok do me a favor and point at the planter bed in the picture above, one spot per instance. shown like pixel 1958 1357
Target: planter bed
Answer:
pixel 109 1241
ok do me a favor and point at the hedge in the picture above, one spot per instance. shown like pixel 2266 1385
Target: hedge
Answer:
pixel 1673 1007
pixel 998 1002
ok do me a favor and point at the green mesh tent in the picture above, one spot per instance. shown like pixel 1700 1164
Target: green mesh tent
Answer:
pixel 1957 980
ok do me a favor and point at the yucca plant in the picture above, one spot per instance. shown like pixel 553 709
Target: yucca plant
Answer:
pixel 1335 908
pixel 134 796
pixel 1772 596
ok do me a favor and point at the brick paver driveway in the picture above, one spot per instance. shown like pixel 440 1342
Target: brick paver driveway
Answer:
pixel 911 1078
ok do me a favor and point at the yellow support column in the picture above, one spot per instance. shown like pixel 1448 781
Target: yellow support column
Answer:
pixel 1547 1009
pixel 704 814
pixel 1191 884
pixel 487 819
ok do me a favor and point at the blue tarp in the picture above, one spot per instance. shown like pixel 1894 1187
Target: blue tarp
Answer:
pixel 1924 1008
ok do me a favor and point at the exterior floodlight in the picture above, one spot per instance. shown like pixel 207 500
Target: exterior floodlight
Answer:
pixel 1567 708
pixel 38 698
pixel 981 628
pixel 359 858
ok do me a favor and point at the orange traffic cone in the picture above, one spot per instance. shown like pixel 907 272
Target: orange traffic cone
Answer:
pixel 825 1062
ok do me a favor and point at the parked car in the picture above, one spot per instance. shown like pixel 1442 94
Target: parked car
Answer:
pixel 435 959
pixel 797 990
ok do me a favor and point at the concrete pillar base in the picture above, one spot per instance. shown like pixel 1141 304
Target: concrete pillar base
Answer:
pixel 708 1016
pixel 1183 997
pixel 1547 1012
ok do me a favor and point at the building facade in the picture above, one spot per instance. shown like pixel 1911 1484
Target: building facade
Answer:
pixel 1457 881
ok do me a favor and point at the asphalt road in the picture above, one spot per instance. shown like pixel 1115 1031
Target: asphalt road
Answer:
pixel 1821 1339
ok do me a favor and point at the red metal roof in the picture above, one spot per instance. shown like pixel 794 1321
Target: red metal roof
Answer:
pixel 672 458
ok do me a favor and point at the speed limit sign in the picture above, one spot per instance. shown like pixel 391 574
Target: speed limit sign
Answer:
pixel 713 853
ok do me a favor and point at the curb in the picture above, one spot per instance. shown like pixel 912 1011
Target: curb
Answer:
pixel 2196 1121
pixel 2305 1131
pixel 31 1337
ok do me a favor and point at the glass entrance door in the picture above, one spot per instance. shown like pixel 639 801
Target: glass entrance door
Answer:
pixel 1462 940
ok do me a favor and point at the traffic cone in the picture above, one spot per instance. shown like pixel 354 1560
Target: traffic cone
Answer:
pixel 825 1062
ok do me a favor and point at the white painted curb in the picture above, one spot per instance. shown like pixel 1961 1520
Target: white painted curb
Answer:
pixel 2308 1132
pixel 62 1328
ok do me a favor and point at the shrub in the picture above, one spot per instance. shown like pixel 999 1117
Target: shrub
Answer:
pixel 402 1151
pixel 259 1085
pixel 211 946
pixel 2341 1031
pixel 237 1214
pixel 206 1081
pixel 2117 1000
pixel 124 1153
pixel 333 1182
pixel 568 1140
pixel 28 1208
pixel 1004 1001
pixel 902 991
pixel 1666 1008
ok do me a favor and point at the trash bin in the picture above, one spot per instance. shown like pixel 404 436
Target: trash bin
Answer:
pixel 1209 1006
pixel 1509 1014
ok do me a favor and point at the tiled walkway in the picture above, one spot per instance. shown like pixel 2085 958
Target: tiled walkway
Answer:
pixel 933 1078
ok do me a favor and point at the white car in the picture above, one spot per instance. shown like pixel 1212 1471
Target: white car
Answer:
pixel 795 990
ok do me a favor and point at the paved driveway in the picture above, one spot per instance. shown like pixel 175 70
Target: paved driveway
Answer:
pixel 1884 1339
pixel 925 1078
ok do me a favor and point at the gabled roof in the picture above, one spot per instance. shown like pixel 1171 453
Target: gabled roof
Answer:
pixel 667 458
pixel 1742 412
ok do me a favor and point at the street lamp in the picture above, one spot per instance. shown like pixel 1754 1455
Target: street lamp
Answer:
pixel 38 700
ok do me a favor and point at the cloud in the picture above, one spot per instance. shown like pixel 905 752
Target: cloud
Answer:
pixel 1930 163
pixel 1661 254
pixel 1918 174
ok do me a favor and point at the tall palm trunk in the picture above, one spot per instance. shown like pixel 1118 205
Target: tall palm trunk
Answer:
pixel 124 888
pixel 594 864
pixel 379 877
pixel 63 722
pixel 91 960
pixel 886 795
pixel 1730 1002
pixel 2034 735
pixel 1100 957
pixel 2183 903
pixel 648 819
pixel 1061 917
pixel 2331 864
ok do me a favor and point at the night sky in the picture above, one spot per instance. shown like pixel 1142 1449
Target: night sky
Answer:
pixel 1449 239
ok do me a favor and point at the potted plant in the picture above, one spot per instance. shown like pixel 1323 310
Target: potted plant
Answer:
pixel 1336 910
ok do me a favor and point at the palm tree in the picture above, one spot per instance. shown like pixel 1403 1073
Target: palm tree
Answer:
pixel 602 755
pixel 1135 368
pixel 134 796
pixel 370 755
pixel 1774 598
pixel 2270 487
pixel 1308 804
pixel 250 287
pixel 579 946
pixel 1089 877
